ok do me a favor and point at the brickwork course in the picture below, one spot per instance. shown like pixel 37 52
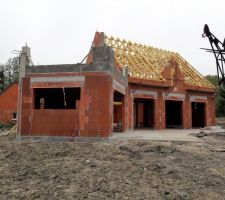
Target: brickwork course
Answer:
pixel 122 86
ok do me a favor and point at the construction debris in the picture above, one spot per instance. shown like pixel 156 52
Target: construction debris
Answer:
pixel 11 132
pixel 200 134
pixel 214 128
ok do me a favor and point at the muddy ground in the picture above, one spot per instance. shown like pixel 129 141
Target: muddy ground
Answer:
pixel 117 170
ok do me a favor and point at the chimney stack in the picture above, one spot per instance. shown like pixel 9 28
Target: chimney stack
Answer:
pixel 25 60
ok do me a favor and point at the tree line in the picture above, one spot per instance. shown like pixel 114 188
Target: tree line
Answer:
pixel 9 72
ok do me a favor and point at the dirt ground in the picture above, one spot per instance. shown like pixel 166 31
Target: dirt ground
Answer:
pixel 117 170
pixel 220 122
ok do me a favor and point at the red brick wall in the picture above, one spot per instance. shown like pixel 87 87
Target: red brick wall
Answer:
pixel 97 106
pixel 186 112
pixel 95 43
pixel 160 121
pixel 93 116
pixel 159 105
pixel 27 104
pixel 117 109
pixel 45 122
pixel 55 122
pixel 8 103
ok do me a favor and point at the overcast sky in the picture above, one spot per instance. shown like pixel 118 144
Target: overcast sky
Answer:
pixel 61 31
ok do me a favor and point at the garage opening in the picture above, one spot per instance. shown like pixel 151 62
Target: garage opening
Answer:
pixel 143 113
pixel 118 112
pixel 56 98
pixel 173 114
pixel 198 114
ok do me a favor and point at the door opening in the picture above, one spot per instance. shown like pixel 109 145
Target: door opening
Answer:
pixel 173 114
pixel 143 113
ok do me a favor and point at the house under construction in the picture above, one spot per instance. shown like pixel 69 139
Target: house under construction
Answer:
pixel 122 86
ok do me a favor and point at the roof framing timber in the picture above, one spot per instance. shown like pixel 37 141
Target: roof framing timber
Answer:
pixel 146 62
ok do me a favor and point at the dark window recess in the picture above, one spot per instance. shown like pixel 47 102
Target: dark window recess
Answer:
pixel 56 98
pixel 14 115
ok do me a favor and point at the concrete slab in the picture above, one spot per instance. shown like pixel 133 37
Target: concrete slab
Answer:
pixel 166 135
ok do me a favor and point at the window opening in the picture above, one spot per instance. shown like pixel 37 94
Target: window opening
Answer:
pixel 56 98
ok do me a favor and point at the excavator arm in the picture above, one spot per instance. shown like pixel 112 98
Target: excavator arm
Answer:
pixel 218 49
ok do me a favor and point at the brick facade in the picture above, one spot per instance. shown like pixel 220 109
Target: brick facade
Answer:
pixel 8 103
pixel 109 97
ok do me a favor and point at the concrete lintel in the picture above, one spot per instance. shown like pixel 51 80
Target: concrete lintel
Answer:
pixel 195 97
pixel 57 79
pixel 175 95
pixel 119 87
pixel 153 93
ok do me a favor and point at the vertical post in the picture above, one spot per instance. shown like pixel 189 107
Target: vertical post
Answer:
pixel 136 114
pixel 132 111
pixel 186 112
pixel 24 61
pixel 123 112
pixel 160 121
pixel 206 114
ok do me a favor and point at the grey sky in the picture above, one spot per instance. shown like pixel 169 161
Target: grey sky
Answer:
pixel 61 31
